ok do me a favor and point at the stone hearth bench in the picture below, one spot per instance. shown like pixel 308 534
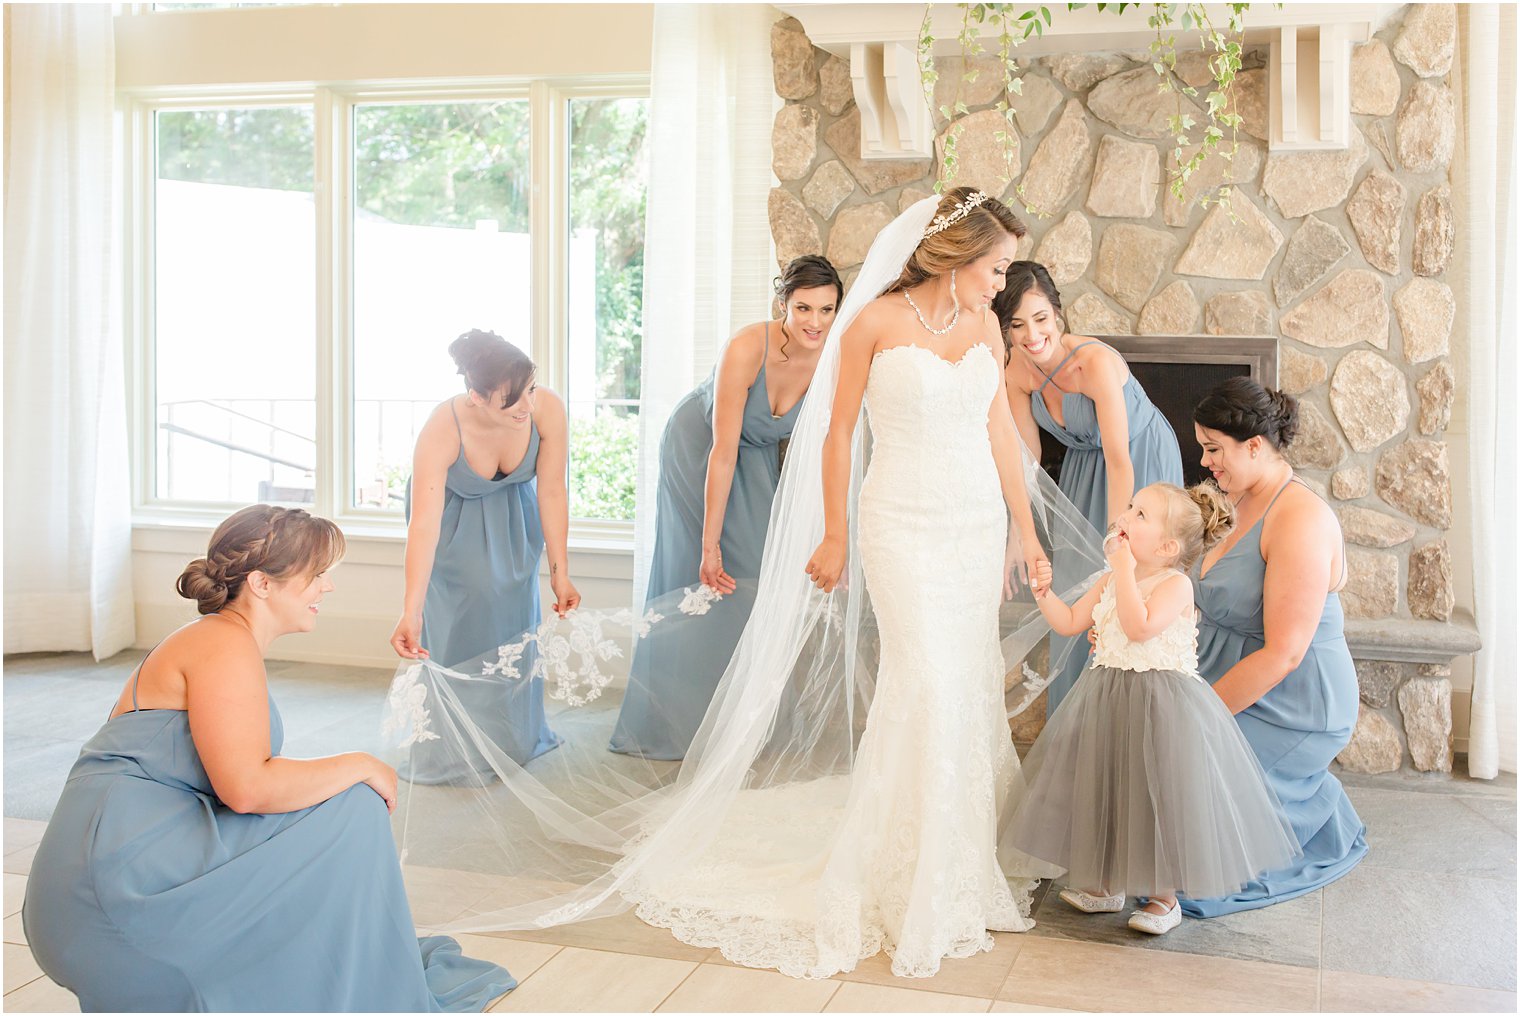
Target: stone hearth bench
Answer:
pixel 1403 670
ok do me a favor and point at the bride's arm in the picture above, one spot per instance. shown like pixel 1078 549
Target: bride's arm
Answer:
pixel 856 347
pixel 1007 452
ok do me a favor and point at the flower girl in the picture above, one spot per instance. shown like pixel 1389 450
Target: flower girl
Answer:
pixel 1141 782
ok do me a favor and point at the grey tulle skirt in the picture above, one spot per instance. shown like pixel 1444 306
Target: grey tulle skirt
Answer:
pixel 1142 783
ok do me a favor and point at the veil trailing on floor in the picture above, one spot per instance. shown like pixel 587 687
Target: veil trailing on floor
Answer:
pixel 579 832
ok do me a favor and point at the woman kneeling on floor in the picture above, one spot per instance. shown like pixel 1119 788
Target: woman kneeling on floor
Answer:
pixel 189 866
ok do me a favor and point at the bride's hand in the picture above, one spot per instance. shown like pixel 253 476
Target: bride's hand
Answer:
pixel 827 563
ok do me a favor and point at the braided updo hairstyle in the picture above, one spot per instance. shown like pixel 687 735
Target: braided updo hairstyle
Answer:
pixel 280 542
pixel 1243 409
pixel 1197 518
pixel 962 242
pixel 488 362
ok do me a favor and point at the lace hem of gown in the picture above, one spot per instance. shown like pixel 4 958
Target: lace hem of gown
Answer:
pixel 766 896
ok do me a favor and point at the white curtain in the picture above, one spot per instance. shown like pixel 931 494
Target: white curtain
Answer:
pixel 707 242
pixel 1487 203
pixel 68 554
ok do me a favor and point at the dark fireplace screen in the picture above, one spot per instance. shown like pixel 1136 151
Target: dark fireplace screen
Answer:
pixel 1176 373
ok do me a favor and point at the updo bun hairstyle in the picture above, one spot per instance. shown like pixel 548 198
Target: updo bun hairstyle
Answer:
pixel 1022 277
pixel 1197 518
pixel 960 243
pixel 280 542
pixel 810 271
pixel 1243 409
pixel 488 362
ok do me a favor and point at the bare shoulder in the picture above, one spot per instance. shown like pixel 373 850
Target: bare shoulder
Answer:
pixel 746 349
pixel 1098 362
pixel 1302 517
pixel 874 320
pixel 1019 374
pixel 549 414
pixel 1175 584
pixel 548 405
pixel 440 433
pixel 211 647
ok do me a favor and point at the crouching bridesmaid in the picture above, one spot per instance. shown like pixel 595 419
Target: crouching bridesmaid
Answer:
pixel 189 866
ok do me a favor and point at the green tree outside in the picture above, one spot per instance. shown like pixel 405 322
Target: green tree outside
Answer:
pixel 451 164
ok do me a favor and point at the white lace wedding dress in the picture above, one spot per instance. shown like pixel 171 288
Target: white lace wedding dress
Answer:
pixel 810 877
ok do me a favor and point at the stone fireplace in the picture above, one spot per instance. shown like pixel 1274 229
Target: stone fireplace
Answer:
pixel 1336 260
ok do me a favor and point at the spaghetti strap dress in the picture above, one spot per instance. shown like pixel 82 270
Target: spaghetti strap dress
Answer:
pixel 1154 453
pixel 483 593
pixel 147 893
pixel 676 669
pixel 1296 728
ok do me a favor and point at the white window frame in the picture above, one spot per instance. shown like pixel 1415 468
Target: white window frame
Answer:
pixel 332 106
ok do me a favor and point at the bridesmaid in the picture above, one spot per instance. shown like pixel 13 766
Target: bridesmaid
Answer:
pixel 720 461
pixel 1271 636
pixel 190 867
pixel 486 497
pixel 1081 392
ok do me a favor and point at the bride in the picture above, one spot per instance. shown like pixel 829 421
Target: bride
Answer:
pixel 838 801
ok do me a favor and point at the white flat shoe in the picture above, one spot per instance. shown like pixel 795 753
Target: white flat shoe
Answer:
pixel 1156 924
pixel 1090 904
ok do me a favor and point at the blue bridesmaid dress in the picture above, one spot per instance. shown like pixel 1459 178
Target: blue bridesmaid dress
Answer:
pixel 484 593
pixel 1154 453
pixel 677 667
pixel 149 894
pixel 1295 729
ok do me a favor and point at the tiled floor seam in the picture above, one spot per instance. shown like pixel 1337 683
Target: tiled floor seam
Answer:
pixel 672 991
pixel 1423 980
pixel 18 987
pixel 525 980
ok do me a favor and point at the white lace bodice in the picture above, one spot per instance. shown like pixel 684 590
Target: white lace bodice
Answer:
pixel 1175 648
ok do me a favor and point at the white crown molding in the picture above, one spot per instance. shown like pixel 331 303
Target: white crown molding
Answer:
pixel 1309 68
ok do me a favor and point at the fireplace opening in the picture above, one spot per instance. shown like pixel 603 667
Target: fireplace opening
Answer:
pixel 1176 373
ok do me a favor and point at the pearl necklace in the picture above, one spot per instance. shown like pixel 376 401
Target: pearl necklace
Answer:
pixel 953 318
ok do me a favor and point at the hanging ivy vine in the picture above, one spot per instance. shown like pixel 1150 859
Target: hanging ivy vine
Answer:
pixel 1012 24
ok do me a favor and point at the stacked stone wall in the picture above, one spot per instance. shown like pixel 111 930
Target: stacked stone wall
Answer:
pixel 1342 256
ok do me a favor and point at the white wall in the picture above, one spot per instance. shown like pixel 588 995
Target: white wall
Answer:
pixel 365 43
pixel 362 42
pixel 358 616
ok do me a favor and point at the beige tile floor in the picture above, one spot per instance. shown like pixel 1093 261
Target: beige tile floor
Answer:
pixel 621 964
pixel 1426 923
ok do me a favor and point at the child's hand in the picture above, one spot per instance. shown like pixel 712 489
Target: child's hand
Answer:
pixel 1120 558
pixel 1043 575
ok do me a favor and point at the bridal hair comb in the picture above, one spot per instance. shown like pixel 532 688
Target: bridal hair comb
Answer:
pixel 959 212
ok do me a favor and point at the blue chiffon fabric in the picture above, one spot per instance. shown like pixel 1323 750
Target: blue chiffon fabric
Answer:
pixel 147 893
pixel 1295 729
pixel 1153 452
pixel 484 593
pixel 676 669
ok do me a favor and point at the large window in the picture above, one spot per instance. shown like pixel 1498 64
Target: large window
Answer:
pixel 234 348
pixel 441 245
pixel 307 259
pixel 608 180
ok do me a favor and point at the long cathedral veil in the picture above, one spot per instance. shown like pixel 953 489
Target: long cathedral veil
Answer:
pixel 489 844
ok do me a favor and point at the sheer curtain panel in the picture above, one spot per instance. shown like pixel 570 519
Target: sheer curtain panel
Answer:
pixel 707 247
pixel 1487 204
pixel 68 533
